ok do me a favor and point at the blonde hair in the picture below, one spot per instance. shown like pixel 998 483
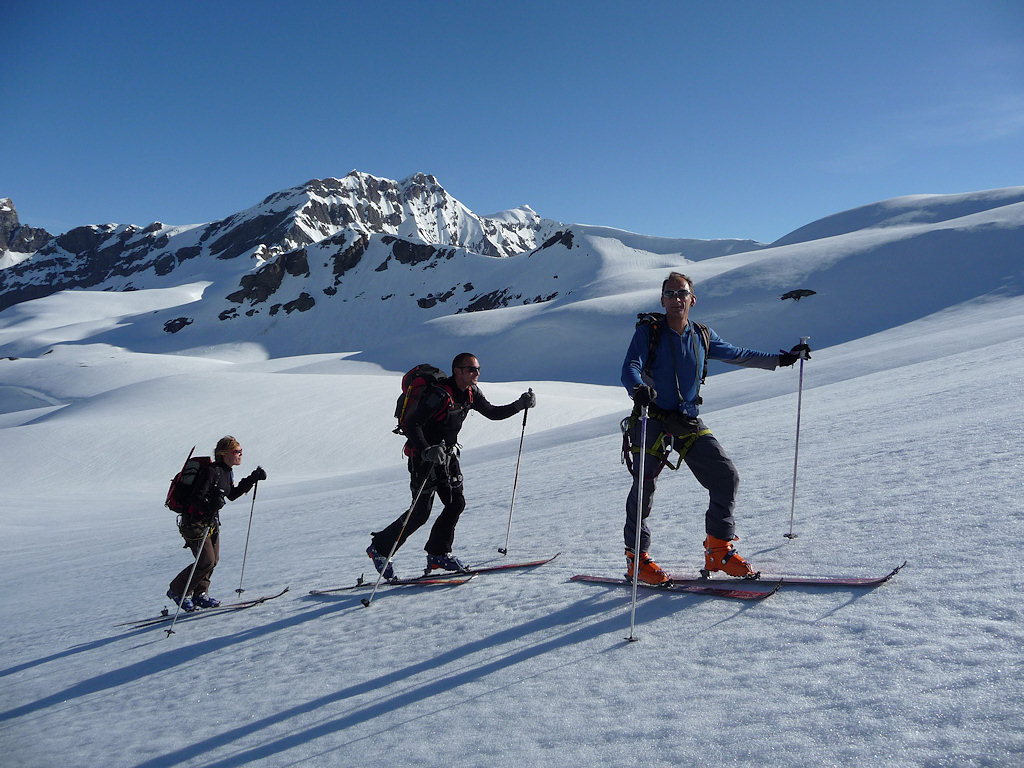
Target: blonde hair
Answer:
pixel 225 445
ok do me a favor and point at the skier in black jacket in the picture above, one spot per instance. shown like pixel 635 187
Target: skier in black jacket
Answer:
pixel 214 485
pixel 433 451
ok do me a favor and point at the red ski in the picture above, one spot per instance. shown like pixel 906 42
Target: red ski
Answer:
pixel 708 588
pixel 795 581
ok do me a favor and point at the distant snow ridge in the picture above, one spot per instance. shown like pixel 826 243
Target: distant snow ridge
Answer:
pixel 904 211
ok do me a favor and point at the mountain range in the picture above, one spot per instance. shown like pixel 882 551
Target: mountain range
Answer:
pixel 381 270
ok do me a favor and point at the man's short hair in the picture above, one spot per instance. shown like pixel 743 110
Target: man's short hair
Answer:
pixel 675 277
pixel 461 359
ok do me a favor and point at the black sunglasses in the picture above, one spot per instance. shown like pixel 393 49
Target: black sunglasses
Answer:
pixel 473 368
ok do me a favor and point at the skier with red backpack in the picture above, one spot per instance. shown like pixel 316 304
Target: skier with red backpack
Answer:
pixel 199 523
pixel 431 411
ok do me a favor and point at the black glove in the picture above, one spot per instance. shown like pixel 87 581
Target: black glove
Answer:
pixel 644 395
pixel 527 400
pixel 801 350
pixel 258 474
pixel 435 454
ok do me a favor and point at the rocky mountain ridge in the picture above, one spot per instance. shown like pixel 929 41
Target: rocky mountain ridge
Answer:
pixel 349 247
pixel 347 212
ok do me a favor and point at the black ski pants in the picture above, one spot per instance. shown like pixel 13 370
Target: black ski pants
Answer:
pixel 446 483
pixel 707 461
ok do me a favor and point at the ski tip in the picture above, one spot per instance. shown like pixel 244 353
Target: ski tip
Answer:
pixel 897 569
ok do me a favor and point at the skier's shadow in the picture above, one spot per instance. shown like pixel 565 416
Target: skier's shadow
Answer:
pixel 557 630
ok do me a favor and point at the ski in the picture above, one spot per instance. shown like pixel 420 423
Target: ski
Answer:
pixel 167 615
pixel 796 581
pixel 477 569
pixel 421 581
pixel 446 578
pixel 672 586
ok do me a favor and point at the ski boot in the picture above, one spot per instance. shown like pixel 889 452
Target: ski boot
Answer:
pixel 205 601
pixel 720 555
pixel 381 563
pixel 650 571
pixel 448 562
pixel 185 603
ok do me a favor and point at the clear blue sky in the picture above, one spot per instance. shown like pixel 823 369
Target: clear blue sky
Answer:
pixel 682 119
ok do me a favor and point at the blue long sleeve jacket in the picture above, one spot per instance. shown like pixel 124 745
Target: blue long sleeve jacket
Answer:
pixel 678 361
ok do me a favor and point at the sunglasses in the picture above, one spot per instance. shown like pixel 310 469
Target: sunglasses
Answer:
pixel 682 293
pixel 237 451
pixel 471 368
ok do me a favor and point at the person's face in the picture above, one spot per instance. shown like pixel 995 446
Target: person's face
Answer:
pixel 233 457
pixel 677 298
pixel 467 373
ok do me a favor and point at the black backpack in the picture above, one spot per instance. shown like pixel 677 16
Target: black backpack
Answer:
pixel 179 495
pixel 656 321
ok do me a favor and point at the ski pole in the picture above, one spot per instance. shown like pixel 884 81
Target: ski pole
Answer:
pixel 245 553
pixel 515 482
pixel 367 600
pixel 639 518
pixel 796 449
pixel 202 544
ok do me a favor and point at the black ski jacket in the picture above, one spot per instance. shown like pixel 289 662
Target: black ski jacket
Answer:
pixel 214 487
pixel 443 409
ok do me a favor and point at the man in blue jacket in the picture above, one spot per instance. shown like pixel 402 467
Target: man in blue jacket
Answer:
pixel 663 371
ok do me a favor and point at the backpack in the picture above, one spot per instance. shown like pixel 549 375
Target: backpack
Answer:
pixel 656 321
pixel 179 495
pixel 414 384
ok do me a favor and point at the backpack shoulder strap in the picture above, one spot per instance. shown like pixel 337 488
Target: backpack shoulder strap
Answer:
pixel 704 334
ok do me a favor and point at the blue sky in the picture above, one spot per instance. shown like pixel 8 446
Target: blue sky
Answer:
pixel 682 119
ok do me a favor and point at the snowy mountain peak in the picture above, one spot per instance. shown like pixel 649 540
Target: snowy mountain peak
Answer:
pixel 17 242
pixel 335 212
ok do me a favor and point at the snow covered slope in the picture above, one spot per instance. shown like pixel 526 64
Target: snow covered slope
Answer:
pixel 909 451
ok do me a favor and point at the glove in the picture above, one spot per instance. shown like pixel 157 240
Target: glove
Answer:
pixel 435 454
pixel 801 350
pixel 258 474
pixel 644 394
pixel 527 400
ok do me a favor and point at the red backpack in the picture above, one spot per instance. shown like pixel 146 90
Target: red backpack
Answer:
pixel 179 495
pixel 414 384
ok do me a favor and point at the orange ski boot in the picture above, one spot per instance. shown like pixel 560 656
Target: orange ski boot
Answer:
pixel 650 571
pixel 720 555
